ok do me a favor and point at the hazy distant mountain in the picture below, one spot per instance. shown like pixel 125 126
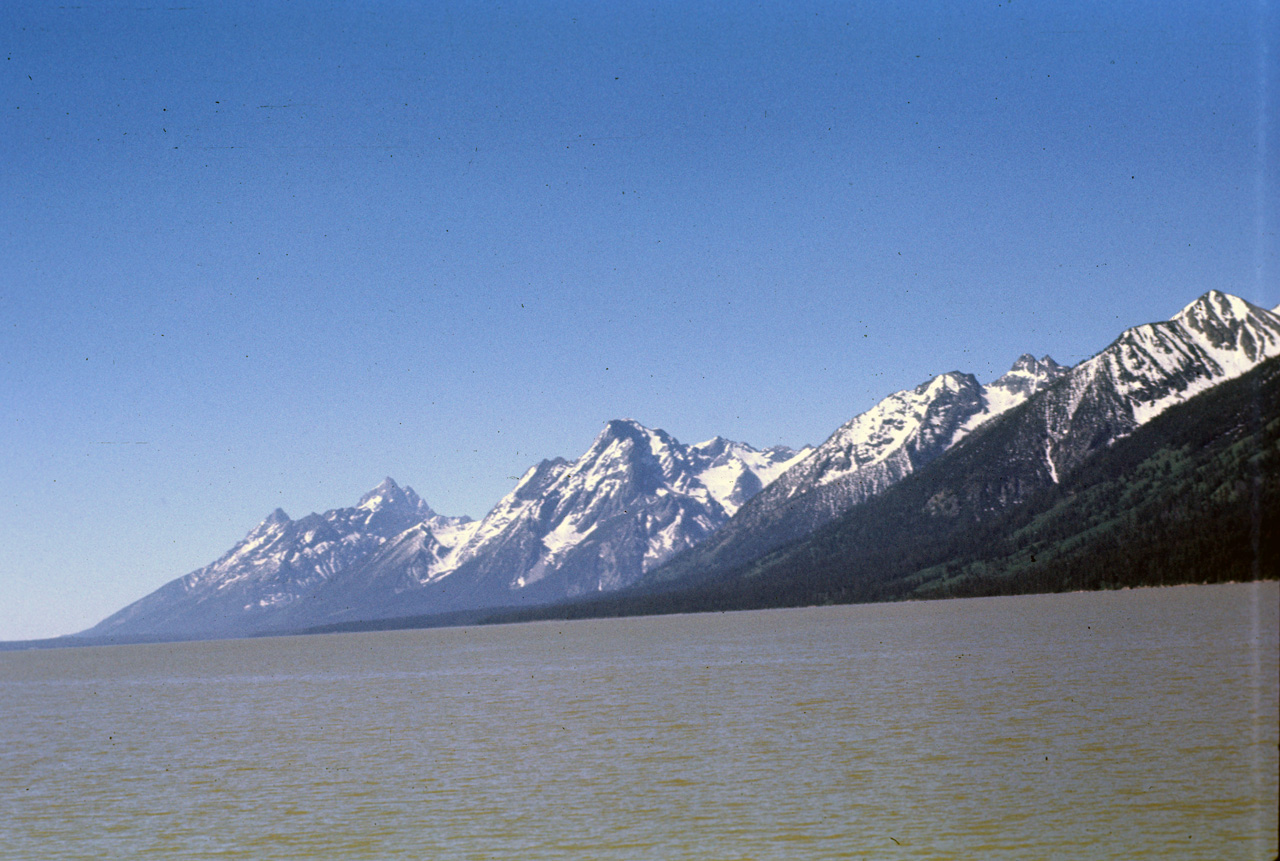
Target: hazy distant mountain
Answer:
pixel 278 563
pixel 632 500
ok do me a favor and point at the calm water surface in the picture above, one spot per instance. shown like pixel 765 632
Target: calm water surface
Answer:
pixel 1101 725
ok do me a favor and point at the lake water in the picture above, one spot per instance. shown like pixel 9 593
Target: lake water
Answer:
pixel 1101 725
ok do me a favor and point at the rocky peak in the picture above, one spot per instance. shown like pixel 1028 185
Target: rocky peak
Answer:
pixel 712 448
pixel 389 496
pixel 1029 365
pixel 386 493
pixel 273 522
pixel 1027 376
pixel 1230 323
pixel 952 381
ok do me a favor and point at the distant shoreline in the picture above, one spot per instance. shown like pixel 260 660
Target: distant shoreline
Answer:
pixel 517 616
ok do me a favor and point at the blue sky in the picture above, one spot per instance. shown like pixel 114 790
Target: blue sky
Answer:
pixel 262 255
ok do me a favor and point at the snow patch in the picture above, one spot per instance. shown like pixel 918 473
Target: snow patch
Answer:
pixel 565 537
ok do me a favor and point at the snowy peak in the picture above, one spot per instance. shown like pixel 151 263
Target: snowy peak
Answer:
pixel 275 518
pixel 1028 376
pixel 636 496
pixel 627 451
pixel 1214 307
pixel 1154 366
pixel 376 498
pixel 908 425
pixel 536 479
pixel 389 509
pixel 273 524
pixel 948 383
pixel 390 496
pixel 713 448
pixel 1229 323
pixel 1150 368
pixel 1029 367
pixel 618 430
pixel 733 472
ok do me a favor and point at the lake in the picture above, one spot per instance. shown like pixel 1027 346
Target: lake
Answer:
pixel 1088 725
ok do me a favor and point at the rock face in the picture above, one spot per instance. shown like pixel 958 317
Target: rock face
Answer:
pixel 639 504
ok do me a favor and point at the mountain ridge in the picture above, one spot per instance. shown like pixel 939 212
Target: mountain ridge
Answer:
pixel 1072 414
pixel 650 493
pixel 1191 497
pixel 639 507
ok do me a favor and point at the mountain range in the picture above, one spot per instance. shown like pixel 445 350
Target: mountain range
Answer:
pixel 640 513
pixel 632 500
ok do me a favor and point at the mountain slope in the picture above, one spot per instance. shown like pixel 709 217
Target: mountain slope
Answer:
pixel 596 524
pixel 1191 496
pixel 633 499
pixel 1152 367
pixel 865 456
pixel 276 565
pixel 1074 414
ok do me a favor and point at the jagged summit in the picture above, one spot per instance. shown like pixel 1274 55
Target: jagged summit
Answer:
pixel 386 488
pixel 636 496
pixel 1026 377
pixel 276 518
pixel 1228 323
pixel 1029 365
pixel 713 447
pixel 622 431
pixel 389 495
pixel 623 427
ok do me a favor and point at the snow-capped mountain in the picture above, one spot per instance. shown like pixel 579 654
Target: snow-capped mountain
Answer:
pixel 670 495
pixel 639 504
pixel 279 563
pixel 1027 377
pixel 868 454
pixel 1070 414
pixel 1150 368
pixel 907 430
pixel 632 500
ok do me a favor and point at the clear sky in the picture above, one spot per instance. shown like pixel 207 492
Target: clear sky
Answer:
pixel 265 254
